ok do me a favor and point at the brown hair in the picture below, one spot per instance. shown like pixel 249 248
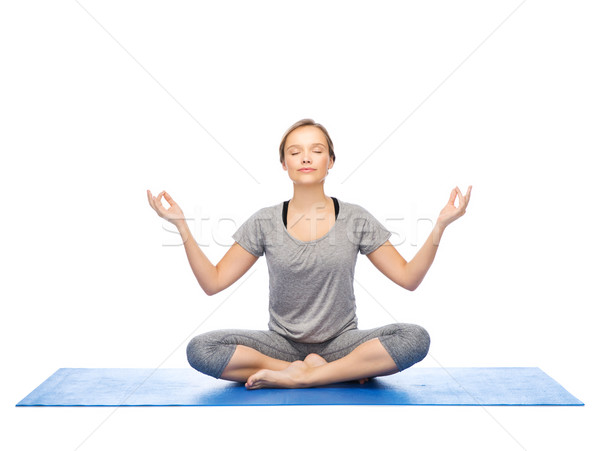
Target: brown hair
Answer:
pixel 301 123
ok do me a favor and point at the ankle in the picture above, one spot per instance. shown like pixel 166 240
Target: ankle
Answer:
pixel 309 377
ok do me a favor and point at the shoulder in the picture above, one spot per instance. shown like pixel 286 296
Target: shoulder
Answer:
pixel 361 217
pixel 265 218
pixel 353 210
pixel 272 212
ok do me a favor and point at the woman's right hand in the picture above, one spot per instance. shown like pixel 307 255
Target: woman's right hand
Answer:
pixel 173 214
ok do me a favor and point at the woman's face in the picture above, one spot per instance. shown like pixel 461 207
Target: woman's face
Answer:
pixel 306 147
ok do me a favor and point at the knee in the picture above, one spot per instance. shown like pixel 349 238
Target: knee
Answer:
pixel 196 351
pixel 421 341
pixel 201 354
pixel 413 342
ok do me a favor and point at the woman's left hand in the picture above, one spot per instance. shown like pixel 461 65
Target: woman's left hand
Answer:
pixel 451 213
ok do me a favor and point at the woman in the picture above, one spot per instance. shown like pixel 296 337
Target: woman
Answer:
pixel 311 244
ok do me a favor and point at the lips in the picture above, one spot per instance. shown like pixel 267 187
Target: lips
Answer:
pixel 307 170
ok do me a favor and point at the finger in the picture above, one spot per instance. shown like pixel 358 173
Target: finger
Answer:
pixel 468 196
pixel 461 199
pixel 158 202
pixel 452 197
pixel 156 205
pixel 169 198
pixel 150 200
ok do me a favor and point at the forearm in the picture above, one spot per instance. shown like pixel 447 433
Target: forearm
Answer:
pixel 421 262
pixel 203 269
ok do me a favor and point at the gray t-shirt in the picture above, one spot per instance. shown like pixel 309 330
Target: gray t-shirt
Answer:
pixel 311 292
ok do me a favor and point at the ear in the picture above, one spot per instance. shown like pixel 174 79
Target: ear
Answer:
pixel 283 166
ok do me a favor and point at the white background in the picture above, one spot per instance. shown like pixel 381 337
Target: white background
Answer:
pixel 100 101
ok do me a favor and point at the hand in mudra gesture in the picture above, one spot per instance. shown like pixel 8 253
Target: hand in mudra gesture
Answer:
pixel 451 213
pixel 173 214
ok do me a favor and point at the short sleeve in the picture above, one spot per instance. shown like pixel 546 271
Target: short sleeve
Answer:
pixel 371 233
pixel 250 236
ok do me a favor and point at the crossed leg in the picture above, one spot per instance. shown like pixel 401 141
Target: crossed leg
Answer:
pixel 248 365
pixel 245 356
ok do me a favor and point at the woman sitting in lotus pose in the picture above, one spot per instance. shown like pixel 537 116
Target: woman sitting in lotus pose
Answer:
pixel 311 243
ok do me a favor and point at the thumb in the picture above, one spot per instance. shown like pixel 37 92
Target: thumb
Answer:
pixel 168 198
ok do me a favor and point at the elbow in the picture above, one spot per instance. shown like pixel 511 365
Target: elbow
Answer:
pixel 405 278
pixel 211 288
pixel 210 291
pixel 410 286
pixel 407 284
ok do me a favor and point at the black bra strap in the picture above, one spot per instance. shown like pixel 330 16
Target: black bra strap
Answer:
pixel 285 210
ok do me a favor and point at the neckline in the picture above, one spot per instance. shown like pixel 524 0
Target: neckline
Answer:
pixel 337 206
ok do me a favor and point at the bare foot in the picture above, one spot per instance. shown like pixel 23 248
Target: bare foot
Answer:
pixel 294 376
pixel 314 360
pixel 289 378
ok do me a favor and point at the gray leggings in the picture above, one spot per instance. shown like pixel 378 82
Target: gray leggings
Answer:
pixel 210 352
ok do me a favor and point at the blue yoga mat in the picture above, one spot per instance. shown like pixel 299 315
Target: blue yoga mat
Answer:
pixel 187 387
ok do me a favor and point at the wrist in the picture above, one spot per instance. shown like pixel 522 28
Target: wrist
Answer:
pixel 180 224
pixel 438 230
pixel 183 229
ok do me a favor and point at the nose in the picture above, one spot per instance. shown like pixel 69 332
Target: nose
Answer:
pixel 305 158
